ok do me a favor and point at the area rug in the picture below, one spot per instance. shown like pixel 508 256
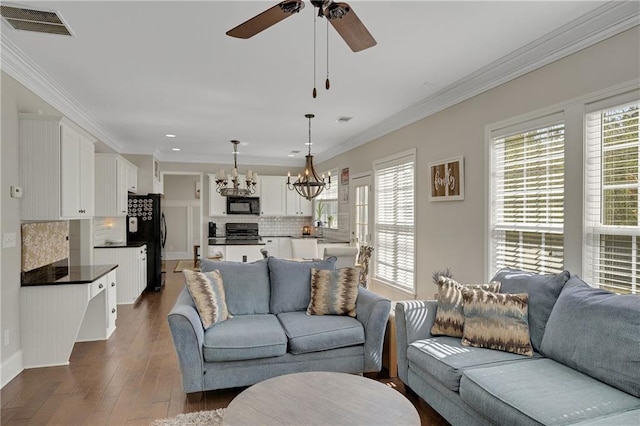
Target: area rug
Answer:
pixel 185 264
pixel 213 417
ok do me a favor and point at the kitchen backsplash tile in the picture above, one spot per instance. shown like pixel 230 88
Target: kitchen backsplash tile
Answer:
pixel 44 243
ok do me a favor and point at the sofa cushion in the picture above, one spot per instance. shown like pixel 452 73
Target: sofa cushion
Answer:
pixel 631 417
pixel 496 321
pixel 245 337
pixel 291 283
pixel 333 292
pixel 207 292
pixel 449 319
pixel 598 333
pixel 312 333
pixel 541 391
pixel 543 291
pixel 446 359
pixel 246 285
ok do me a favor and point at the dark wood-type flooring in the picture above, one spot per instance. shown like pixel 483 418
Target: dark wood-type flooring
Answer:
pixel 133 378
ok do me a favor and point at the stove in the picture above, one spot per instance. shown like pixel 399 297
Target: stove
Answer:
pixel 242 233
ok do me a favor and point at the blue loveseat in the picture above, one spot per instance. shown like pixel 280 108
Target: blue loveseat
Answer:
pixel 585 368
pixel 269 333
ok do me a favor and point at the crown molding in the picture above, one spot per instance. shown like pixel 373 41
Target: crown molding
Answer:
pixel 606 21
pixel 18 65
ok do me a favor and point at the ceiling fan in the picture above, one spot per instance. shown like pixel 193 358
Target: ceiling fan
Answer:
pixel 340 15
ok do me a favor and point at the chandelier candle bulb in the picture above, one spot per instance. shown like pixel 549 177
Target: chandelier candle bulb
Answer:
pixel 235 190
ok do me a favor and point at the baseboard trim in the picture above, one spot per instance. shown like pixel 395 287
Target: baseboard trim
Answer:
pixel 11 368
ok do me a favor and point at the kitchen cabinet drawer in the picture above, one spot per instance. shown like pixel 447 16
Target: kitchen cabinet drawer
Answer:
pixel 97 287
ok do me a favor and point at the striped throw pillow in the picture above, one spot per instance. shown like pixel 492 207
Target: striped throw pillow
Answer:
pixel 207 292
pixel 497 321
pixel 449 319
pixel 333 292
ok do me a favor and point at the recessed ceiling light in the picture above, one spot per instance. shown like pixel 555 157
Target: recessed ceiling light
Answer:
pixel 169 135
pixel 244 143
pixel 308 143
pixel 291 155
pixel 175 149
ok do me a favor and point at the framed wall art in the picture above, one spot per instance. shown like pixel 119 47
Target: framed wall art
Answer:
pixel 344 176
pixel 446 180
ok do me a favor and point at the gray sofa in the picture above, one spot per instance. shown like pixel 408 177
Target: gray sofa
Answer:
pixel 269 333
pixel 585 369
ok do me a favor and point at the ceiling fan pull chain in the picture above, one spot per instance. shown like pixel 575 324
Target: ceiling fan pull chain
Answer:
pixel 327 84
pixel 315 92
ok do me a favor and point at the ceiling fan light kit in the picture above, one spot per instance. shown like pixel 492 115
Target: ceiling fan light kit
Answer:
pixel 309 184
pixel 222 179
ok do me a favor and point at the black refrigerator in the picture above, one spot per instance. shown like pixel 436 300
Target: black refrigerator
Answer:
pixel 146 224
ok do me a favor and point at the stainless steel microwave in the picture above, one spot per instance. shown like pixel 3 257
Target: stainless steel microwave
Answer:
pixel 243 205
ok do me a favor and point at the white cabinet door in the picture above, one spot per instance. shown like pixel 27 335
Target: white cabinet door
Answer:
pixel 132 179
pixel 112 309
pixel 76 174
pixel 272 195
pixel 56 169
pixel 111 185
pixel 271 245
pixel 122 183
pixel 239 253
pixel 142 269
pixel 297 205
pixel 217 203
pixel 131 274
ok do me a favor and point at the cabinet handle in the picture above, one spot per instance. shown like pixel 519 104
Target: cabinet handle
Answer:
pixel 113 284
pixel 100 285
pixel 113 311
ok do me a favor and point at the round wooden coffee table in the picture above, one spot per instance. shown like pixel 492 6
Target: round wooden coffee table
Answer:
pixel 320 398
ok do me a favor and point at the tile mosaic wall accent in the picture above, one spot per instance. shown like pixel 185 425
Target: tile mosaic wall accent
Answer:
pixel 44 243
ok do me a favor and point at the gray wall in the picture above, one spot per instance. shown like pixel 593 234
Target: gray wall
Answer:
pixel 451 234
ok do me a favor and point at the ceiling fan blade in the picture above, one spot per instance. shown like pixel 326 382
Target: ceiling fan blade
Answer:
pixel 348 25
pixel 266 19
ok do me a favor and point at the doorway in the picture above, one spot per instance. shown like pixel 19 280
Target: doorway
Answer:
pixel 182 208
pixel 361 209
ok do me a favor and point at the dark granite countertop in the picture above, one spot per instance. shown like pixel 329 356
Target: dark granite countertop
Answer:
pixel 122 245
pixel 58 275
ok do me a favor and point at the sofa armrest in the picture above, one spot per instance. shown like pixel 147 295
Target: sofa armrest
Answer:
pixel 414 319
pixel 188 337
pixel 372 311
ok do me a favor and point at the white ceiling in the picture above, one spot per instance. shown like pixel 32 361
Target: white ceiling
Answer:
pixel 137 70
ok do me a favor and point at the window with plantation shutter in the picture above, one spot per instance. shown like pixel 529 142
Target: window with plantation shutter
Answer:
pixel 394 220
pixel 527 197
pixel 612 230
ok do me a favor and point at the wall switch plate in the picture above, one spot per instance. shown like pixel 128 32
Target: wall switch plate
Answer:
pixel 8 239
pixel 16 192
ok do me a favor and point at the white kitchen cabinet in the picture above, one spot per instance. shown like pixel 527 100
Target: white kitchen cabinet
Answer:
pixel 284 247
pixel 243 253
pixel 112 184
pixel 56 169
pixel 131 273
pixel 55 316
pixel 214 251
pixel 132 178
pixel 217 203
pixel 271 245
pixel 273 195
pixel 297 205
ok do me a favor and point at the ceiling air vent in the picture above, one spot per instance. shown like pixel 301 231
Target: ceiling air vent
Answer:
pixel 343 119
pixel 39 21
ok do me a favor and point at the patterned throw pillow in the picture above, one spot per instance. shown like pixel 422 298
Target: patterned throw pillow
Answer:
pixel 497 321
pixel 207 293
pixel 333 292
pixel 449 315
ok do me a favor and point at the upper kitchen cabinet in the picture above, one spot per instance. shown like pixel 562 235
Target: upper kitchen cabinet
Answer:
pixel 113 183
pixel 297 205
pixel 273 196
pixel 56 169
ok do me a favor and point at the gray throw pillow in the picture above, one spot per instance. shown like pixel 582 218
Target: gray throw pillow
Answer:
pixel 598 333
pixel 291 283
pixel 246 285
pixel 543 291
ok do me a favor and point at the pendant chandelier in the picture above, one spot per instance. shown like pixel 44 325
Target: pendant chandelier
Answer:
pixel 309 185
pixel 222 179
